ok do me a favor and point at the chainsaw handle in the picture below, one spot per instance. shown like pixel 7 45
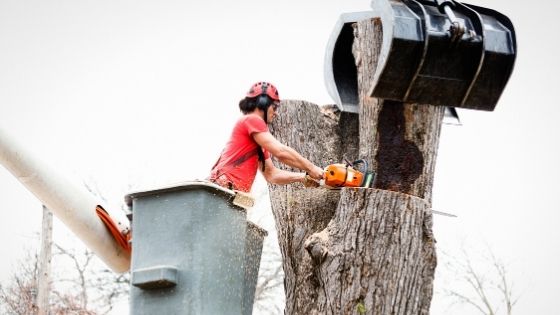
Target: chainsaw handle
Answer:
pixel 309 182
pixel 363 162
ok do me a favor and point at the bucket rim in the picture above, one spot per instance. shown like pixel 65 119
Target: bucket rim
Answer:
pixel 185 185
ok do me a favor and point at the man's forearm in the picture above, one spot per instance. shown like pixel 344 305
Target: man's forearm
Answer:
pixel 282 177
pixel 292 158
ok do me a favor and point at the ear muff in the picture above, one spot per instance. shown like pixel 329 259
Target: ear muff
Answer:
pixel 262 102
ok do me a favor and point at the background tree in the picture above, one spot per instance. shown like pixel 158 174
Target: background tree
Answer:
pixel 269 293
pixel 18 298
pixel 88 282
pixel 81 285
pixel 479 282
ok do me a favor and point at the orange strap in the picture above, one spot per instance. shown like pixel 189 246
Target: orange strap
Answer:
pixel 121 239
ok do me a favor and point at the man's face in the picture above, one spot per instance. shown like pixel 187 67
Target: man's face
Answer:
pixel 271 114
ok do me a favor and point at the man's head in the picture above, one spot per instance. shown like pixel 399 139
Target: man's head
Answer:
pixel 261 96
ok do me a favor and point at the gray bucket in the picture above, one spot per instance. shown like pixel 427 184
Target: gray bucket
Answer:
pixel 193 251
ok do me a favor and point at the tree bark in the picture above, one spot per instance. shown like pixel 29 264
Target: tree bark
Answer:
pixel 359 250
pixel 370 257
pixel 320 135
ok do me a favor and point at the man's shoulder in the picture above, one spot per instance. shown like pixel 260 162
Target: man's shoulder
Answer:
pixel 251 118
pixel 252 121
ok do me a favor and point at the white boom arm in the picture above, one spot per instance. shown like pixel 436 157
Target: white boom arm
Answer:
pixel 71 203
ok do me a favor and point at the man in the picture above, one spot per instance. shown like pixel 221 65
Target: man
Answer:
pixel 251 146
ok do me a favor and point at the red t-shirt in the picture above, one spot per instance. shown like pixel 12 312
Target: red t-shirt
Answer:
pixel 239 160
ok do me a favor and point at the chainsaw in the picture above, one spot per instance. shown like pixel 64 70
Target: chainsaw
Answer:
pixel 355 174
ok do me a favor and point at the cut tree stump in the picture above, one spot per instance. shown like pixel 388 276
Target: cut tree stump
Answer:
pixel 358 250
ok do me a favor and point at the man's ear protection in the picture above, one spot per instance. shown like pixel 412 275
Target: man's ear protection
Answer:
pixel 262 102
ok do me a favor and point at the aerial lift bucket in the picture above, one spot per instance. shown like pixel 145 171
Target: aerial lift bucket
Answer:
pixel 438 52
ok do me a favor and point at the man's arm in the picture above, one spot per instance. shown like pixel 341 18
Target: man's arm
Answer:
pixel 274 175
pixel 286 155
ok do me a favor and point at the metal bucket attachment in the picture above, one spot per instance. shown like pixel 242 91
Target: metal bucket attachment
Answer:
pixel 439 53
pixel 341 76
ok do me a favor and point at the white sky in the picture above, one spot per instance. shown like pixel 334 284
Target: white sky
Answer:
pixel 138 93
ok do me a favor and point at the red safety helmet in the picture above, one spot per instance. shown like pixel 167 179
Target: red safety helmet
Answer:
pixel 264 88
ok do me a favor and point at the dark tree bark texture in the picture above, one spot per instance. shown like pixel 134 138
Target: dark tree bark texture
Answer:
pixel 359 250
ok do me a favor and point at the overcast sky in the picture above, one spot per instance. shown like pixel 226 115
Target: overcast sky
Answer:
pixel 141 93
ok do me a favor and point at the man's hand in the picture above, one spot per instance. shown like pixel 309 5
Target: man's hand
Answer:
pixel 310 182
pixel 316 172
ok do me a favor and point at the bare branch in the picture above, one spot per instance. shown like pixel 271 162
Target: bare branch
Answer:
pixel 477 283
pixel 467 300
pixel 86 290
pixel 486 286
pixel 269 282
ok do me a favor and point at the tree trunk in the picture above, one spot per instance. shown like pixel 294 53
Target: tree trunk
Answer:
pixel 320 135
pixel 358 250
pixel 370 259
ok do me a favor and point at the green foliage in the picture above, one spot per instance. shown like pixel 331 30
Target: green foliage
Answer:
pixel 361 308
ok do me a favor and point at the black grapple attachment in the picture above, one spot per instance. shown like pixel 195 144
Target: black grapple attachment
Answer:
pixel 438 52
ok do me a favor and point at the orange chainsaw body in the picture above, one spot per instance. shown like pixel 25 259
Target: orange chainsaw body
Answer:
pixel 342 175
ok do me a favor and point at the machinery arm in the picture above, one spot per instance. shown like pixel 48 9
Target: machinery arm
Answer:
pixel 71 203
